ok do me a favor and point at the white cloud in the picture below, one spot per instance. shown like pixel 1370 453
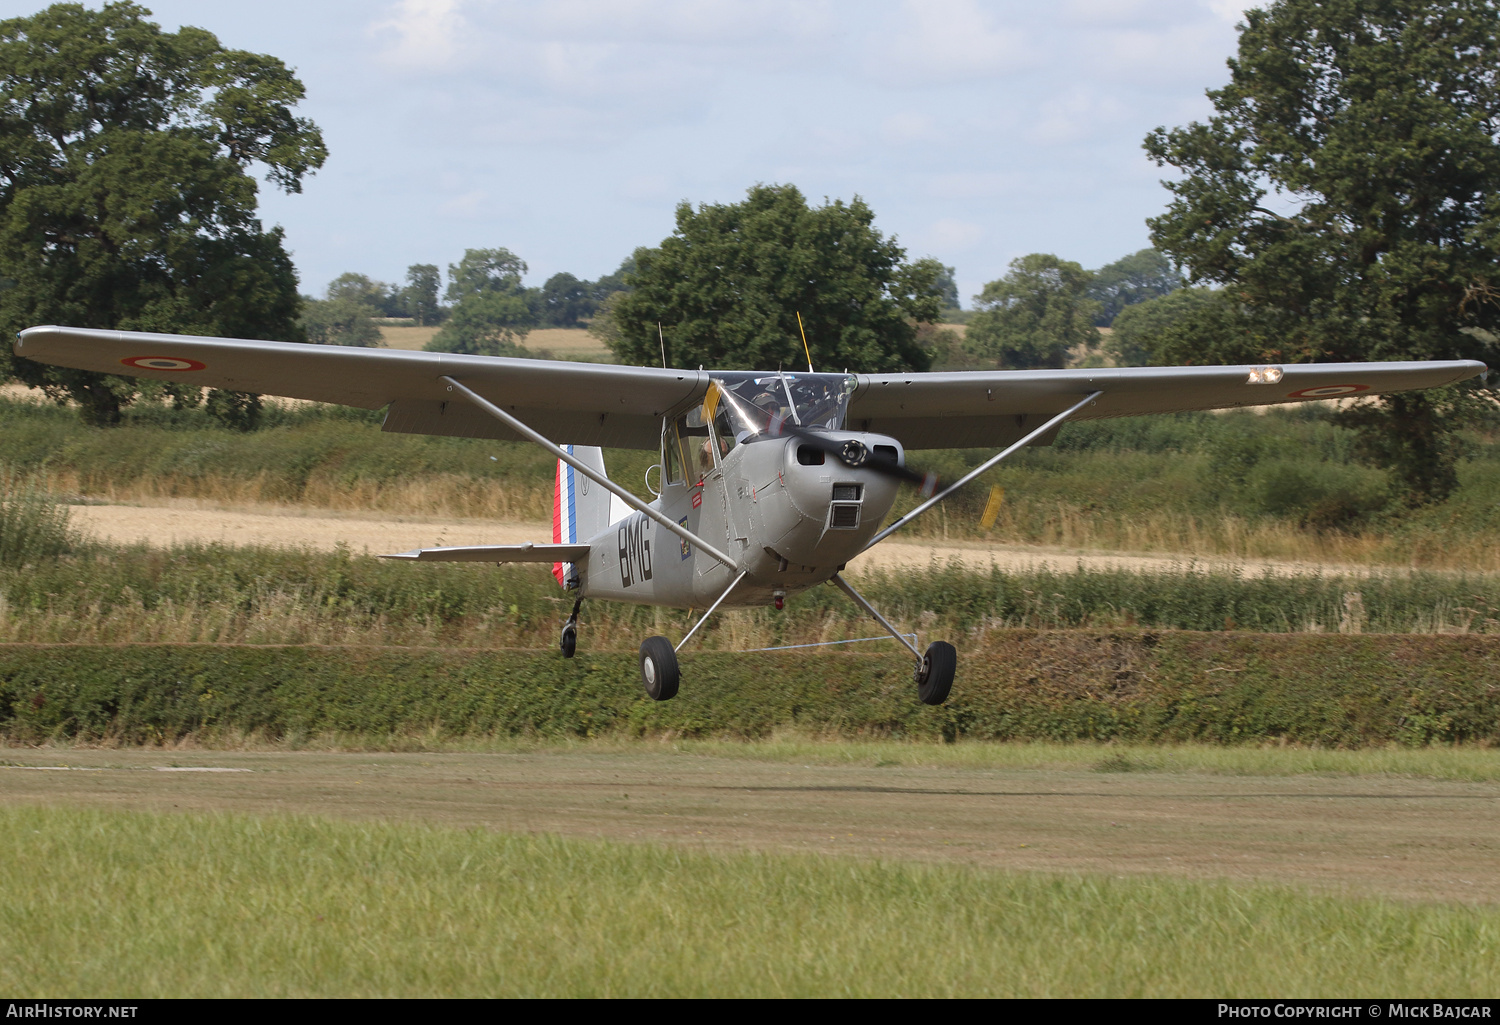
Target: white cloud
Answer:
pixel 906 129
pixel 1231 11
pixel 467 204
pixel 1076 115
pixel 950 235
pixel 699 22
pixel 936 41
pixel 648 188
pixel 1192 52
pixel 421 34
pixel 973 185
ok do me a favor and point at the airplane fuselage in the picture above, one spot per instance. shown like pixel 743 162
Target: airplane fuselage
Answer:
pixel 791 515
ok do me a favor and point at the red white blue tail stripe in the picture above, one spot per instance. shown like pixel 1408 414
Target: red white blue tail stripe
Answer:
pixel 564 514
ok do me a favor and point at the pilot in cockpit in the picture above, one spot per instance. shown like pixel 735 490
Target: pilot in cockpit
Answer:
pixel 771 408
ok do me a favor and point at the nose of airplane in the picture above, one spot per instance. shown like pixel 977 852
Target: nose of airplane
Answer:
pixel 876 453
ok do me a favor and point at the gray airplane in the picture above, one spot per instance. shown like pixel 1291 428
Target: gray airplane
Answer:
pixel 768 482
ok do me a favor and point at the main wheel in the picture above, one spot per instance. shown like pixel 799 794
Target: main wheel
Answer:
pixel 569 642
pixel 659 668
pixel 935 675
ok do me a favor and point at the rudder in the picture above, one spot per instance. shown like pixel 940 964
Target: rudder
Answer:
pixel 580 507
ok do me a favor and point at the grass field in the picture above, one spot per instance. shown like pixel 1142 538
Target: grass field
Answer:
pixel 546 342
pixel 220 594
pixel 191 905
pixel 788 866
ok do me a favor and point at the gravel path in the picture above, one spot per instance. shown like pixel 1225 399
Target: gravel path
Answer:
pixel 191 521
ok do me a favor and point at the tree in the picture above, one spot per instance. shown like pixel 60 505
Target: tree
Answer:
pixel 345 315
pixel 1344 195
pixel 338 322
pixel 945 286
pixel 1142 329
pixel 618 281
pixel 1035 316
pixel 491 309
pixel 729 282
pixel 1132 279
pixel 566 301
pixel 420 296
pixel 125 197
pixel 360 290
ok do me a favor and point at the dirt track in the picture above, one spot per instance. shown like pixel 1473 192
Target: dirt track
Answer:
pixel 1366 836
pixel 188 521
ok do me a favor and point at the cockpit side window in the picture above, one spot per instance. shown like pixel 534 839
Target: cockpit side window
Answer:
pixel 728 431
pixel 693 446
pixel 671 455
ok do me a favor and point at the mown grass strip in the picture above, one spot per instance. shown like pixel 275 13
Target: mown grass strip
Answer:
pixel 1463 763
pixel 134 905
pixel 1132 687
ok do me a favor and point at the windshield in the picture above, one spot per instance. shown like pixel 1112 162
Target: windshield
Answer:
pixel 745 407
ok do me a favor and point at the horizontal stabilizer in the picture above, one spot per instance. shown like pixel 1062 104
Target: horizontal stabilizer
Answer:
pixel 498 553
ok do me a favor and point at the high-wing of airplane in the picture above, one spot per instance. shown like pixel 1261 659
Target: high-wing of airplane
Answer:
pixel 768 482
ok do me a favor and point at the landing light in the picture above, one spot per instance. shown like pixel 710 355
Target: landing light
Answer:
pixel 1264 375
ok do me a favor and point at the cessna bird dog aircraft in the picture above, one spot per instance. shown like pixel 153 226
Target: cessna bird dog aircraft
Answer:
pixel 768 482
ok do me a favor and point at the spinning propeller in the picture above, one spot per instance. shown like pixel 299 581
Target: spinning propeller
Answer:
pixel 857 455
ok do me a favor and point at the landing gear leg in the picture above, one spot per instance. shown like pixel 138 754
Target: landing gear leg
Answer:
pixel 659 672
pixel 935 668
pixel 569 642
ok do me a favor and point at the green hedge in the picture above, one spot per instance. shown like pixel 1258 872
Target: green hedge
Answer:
pixel 1328 690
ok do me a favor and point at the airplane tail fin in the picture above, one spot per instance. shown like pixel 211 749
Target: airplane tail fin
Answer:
pixel 580 508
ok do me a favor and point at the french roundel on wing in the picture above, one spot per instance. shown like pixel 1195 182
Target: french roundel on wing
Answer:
pixel 1328 391
pixel 162 363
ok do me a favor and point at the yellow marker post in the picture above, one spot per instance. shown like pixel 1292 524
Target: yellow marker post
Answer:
pixel 992 507
pixel 805 350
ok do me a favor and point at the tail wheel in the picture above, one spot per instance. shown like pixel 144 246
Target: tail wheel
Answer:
pixel 659 670
pixel 935 674
pixel 569 642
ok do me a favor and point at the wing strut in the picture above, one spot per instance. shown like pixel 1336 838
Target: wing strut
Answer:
pixel 588 471
pixel 935 499
pixel 717 602
pixel 859 599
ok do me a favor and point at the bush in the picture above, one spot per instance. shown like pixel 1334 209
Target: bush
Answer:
pixel 1331 691
pixel 33 526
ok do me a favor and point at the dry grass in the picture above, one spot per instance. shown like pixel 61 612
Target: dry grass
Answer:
pixel 1021 522
pixel 437 495
pixel 1174 532
pixel 565 343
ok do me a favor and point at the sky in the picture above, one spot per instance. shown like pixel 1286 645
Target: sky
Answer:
pixel 568 130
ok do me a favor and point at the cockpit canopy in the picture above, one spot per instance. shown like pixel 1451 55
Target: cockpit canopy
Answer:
pixel 742 407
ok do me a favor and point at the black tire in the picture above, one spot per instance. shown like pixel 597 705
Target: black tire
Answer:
pixel 569 642
pixel 935 679
pixel 659 672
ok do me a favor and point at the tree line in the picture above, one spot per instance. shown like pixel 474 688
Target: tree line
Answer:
pixel 1338 205
pixel 484 310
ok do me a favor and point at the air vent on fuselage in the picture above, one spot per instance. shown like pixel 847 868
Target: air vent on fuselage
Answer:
pixel 846 492
pixel 844 516
pixel 888 453
pixel 809 456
